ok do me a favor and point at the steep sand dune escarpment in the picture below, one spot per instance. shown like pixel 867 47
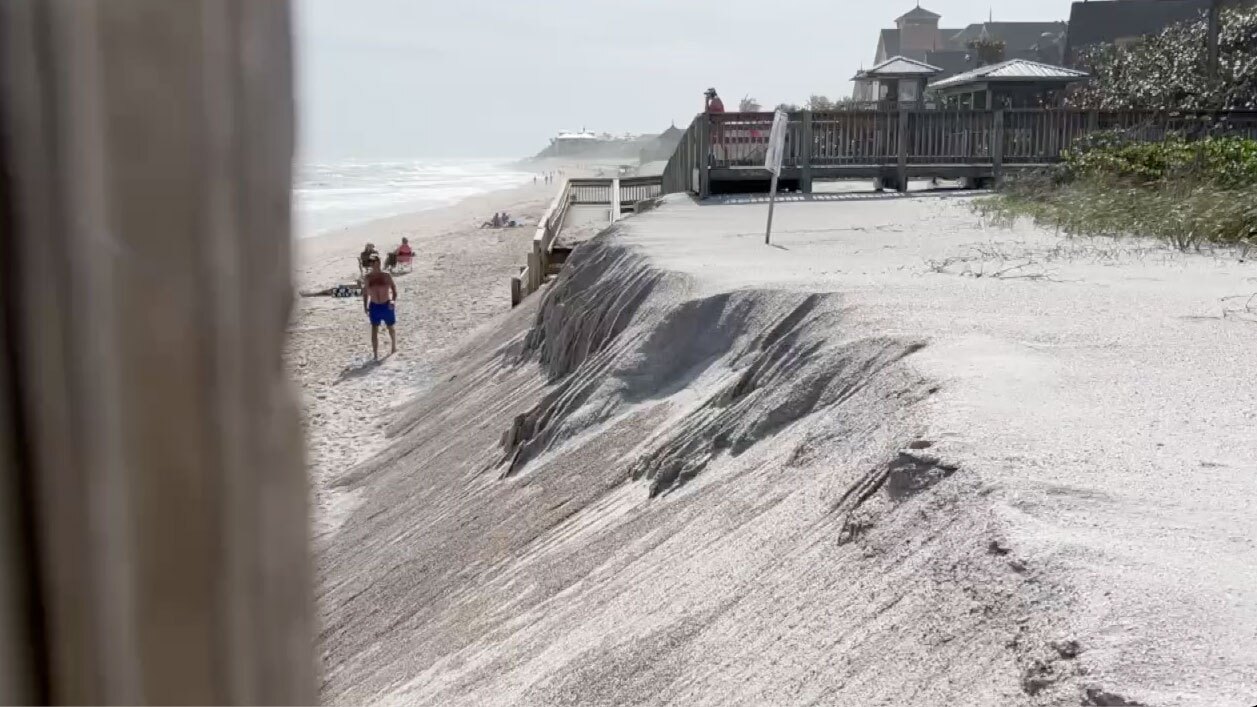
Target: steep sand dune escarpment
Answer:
pixel 635 495
pixel 895 459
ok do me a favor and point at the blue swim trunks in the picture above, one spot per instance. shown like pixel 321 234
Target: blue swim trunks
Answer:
pixel 381 313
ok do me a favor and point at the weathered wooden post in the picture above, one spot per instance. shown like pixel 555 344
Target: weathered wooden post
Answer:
pixel 705 155
pixel 517 289
pixel 615 200
pixel 807 145
pixel 997 147
pixel 536 260
pixel 146 290
pixel 902 170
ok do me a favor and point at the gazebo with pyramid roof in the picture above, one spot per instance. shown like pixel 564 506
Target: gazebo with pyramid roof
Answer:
pixel 900 79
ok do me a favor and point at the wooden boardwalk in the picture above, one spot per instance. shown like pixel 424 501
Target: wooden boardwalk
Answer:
pixel 724 153
pixel 579 204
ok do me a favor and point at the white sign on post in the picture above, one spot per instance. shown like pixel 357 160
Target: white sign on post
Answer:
pixel 772 162
pixel 776 142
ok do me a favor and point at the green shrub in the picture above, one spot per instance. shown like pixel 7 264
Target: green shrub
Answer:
pixel 1183 213
pixel 1168 71
pixel 1227 162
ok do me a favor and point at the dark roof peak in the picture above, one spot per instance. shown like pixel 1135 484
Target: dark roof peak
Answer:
pixel 918 14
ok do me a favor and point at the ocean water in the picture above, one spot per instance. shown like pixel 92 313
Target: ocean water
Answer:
pixel 332 195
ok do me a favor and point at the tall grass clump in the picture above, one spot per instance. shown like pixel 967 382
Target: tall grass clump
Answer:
pixel 1186 193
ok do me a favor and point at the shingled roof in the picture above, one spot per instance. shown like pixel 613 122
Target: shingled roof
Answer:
pixel 890 41
pixel 918 13
pixel 1092 23
pixel 1016 36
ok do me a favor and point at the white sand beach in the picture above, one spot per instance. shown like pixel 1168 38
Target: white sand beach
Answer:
pixel 897 457
pixel 458 281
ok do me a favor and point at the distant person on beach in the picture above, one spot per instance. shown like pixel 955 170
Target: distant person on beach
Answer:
pixel 379 293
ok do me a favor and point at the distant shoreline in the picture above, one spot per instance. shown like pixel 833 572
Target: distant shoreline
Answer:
pixel 330 197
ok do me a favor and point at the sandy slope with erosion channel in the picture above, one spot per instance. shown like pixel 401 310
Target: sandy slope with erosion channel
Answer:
pixel 899 458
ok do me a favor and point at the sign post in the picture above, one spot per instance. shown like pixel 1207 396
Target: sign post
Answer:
pixel 772 162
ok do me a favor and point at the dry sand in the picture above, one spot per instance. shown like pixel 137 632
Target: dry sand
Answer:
pixel 460 279
pixel 896 458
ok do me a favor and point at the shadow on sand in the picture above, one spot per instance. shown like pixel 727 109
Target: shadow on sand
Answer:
pixel 362 370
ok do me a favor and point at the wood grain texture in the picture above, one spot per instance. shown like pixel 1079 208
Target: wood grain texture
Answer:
pixel 152 152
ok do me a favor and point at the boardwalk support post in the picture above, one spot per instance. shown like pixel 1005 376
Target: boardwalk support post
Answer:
pixel 536 266
pixel 997 148
pixel 805 147
pixel 615 200
pixel 705 155
pixel 901 174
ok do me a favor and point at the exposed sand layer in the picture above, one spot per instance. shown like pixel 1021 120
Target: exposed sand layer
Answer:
pixel 895 458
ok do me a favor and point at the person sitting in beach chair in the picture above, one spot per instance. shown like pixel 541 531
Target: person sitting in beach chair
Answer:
pixel 404 255
pixel 364 258
pixel 398 257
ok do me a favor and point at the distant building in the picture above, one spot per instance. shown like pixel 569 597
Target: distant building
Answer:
pixel 1124 21
pixel 917 36
pixel 662 147
pixel 587 144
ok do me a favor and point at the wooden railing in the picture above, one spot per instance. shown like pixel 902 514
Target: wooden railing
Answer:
pixel 635 189
pixel 681 173
pixel 853 137
pixel 590 191
pixel 615 193
pixel 533 274
pixel 913 141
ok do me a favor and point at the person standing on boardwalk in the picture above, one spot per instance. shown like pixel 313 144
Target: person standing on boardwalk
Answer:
pixel 712 105
pixel 379 294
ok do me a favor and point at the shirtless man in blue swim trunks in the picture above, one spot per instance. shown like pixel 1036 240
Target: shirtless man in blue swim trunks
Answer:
pixel 378 295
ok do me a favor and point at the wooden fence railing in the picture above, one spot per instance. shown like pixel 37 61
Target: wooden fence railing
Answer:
pixel 635 189
pixel 590 191
pixel 681 173
pixel 843 142
pixel 533 274
pixel 615 193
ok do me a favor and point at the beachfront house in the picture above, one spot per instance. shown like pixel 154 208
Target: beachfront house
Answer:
pixel 1122 22
pixel 917 35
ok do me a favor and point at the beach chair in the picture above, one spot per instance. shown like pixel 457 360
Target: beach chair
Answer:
pixel 404 261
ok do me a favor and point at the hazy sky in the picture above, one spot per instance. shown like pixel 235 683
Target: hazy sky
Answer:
pixel 497 78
